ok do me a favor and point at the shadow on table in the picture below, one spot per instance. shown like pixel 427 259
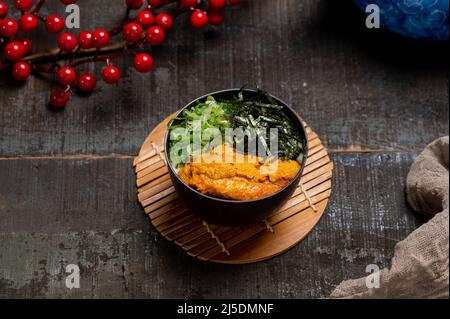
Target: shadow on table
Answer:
pixel 198 279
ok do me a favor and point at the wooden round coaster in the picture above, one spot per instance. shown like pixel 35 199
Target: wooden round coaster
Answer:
pixel 231 245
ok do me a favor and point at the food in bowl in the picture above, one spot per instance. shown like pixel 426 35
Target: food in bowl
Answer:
pixel 239 149
pixel 251 179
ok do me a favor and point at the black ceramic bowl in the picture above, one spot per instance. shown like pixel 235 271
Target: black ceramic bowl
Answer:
pixel 233 212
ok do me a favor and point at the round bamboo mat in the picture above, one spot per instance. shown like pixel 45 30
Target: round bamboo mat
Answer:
pixel 231 245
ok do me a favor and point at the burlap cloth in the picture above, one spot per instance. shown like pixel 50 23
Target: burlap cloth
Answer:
pixel 419 268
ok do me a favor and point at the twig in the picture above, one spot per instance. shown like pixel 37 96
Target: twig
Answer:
pixel 38 7
pixel 45 55
pixel 82 56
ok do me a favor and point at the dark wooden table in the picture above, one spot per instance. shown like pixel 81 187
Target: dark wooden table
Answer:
pixel 67 187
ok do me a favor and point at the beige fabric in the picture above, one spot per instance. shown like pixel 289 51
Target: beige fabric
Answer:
pixel 419 268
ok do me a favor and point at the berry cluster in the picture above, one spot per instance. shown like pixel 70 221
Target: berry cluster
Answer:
pixel 148 28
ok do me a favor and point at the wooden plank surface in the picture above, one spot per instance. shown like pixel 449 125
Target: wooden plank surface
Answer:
pixel 67 187
pixel 101 227
pixel 357 89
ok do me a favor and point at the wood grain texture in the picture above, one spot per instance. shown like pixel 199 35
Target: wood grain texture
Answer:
pixel 314 54
pixel 67 187
pixel 101 227
pixel 232 245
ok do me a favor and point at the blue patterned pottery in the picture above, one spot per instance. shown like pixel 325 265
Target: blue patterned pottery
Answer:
pixel 418 19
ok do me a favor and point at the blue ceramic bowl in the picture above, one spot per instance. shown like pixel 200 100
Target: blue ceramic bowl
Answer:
pixel 418 19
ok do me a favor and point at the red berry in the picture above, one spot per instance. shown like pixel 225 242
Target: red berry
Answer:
pixel 59 98
pixel 132 32
pixel 27 44
pixel 3 9
pixel 54 24
pixel 9 28
pixel 111 74
pixel 145 19
pixel 143 62
pixel 66 75
pixel 68 1
pixel 86 40
pixel 23 5
pixel 155 36
pixel 199 19
pixel 101 38
pixel 67 42
pixel 21 71
pixel 86 82
pixel 216 18
pixel 164 20
pixel 155 3
pixel 184 4
pixel 134 4
pixel 28 23
pixel 14 51
pixel 216 5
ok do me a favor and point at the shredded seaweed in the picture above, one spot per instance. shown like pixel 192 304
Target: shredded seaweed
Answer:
pixel 256 115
